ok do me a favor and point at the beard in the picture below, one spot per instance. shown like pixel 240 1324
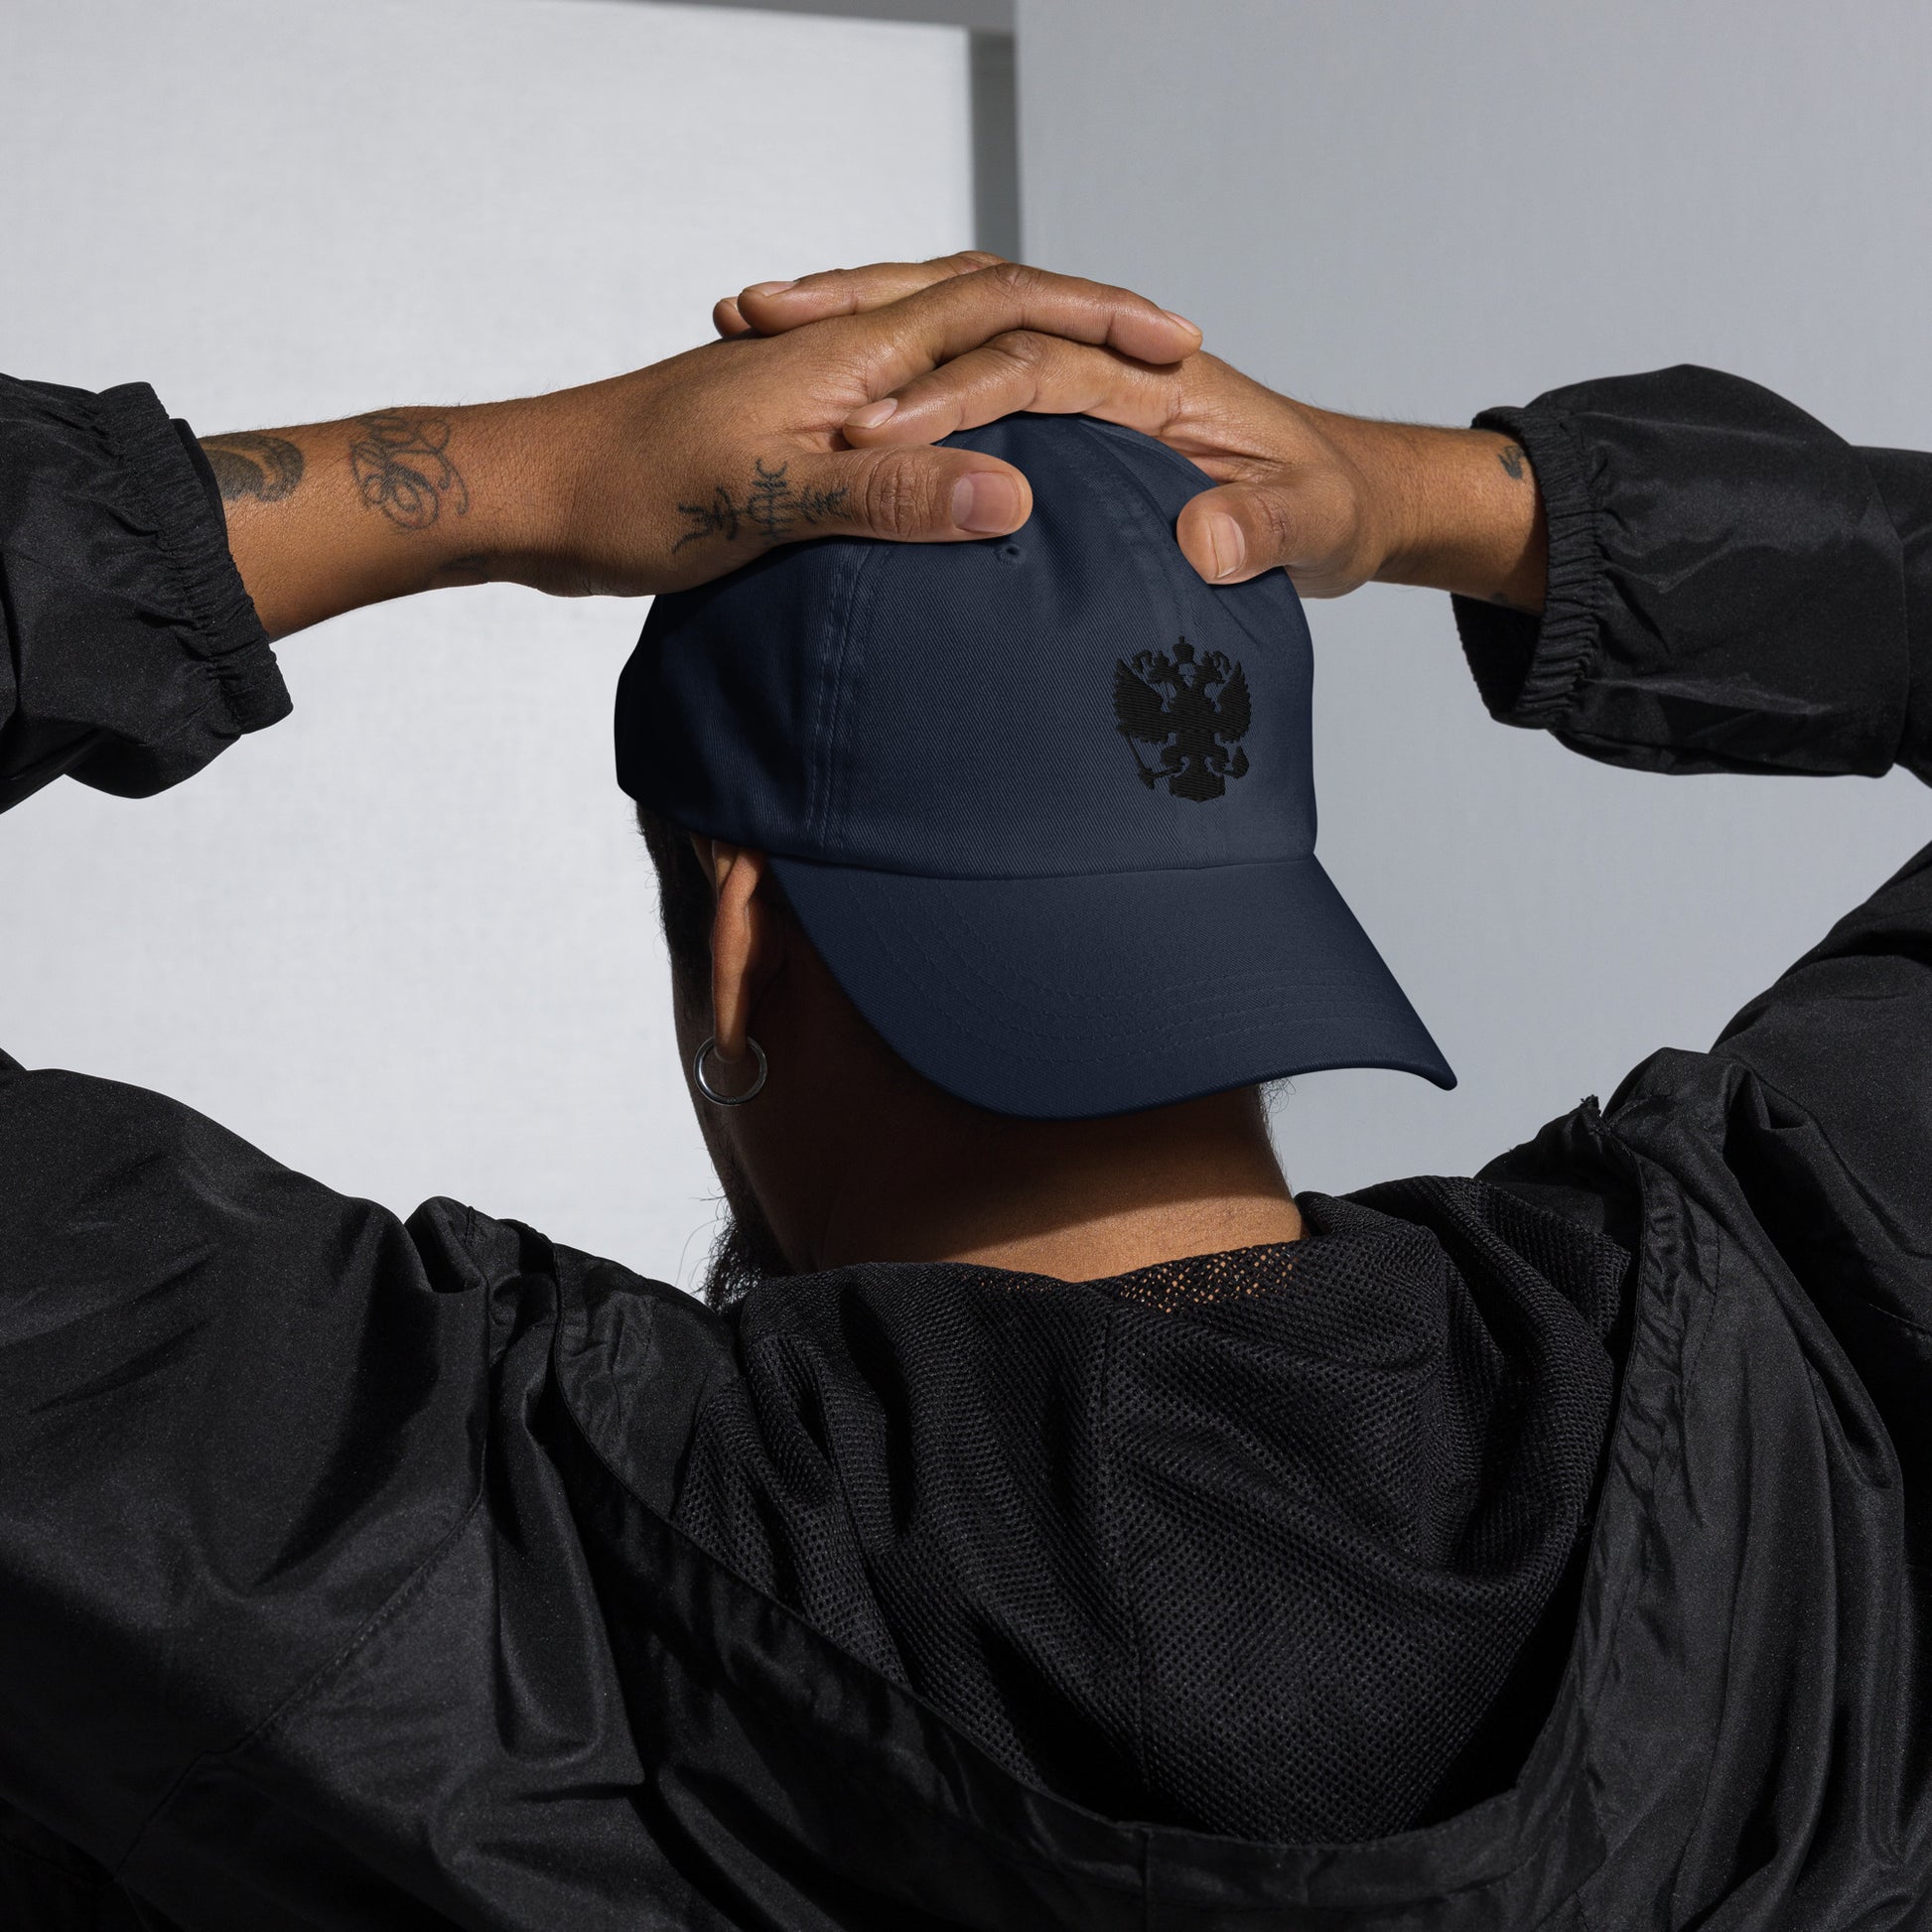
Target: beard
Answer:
pixel 746 1252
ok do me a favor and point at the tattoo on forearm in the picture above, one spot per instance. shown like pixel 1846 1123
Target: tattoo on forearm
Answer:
pixel 401 469
pixel 1511 457
pixel 247 462
pixel 772 508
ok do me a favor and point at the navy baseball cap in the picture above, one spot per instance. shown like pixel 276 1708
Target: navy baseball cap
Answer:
pixel 1043 803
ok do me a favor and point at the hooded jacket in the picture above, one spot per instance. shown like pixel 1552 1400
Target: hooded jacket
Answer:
pixel 1547 1549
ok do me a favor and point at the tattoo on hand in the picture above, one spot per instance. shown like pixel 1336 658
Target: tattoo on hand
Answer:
pixel 1511 457
pixel 248 462
pixel 401 470
pixel 772 508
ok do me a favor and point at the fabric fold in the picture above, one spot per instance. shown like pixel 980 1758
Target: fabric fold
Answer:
pixel 224 627
pixel 130 651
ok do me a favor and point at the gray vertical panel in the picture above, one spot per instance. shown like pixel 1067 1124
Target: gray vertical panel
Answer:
pixel 996 145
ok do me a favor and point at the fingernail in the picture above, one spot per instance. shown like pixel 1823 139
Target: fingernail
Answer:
pixel 985 503
pixel 872 414
pixel 1174 315
pixel 770 288
pixel 1226 545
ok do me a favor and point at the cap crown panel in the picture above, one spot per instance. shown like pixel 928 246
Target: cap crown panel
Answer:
pixel 1071 699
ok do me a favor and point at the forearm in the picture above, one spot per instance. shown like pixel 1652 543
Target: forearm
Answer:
pixel 1467 510
pixel 660 478
pixel 328 516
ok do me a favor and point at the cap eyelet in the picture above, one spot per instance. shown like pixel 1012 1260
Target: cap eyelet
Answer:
pixel 1010 553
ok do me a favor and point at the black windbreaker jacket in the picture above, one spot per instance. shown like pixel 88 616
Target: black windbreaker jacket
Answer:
pixel 362 1573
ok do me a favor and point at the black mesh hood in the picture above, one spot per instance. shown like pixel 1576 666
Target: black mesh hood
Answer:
pixel 1258 1543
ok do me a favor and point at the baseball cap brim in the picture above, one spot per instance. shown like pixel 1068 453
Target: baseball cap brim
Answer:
pixel 1068 997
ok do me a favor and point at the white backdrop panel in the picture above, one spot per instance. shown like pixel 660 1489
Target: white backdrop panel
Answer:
pixel 405 941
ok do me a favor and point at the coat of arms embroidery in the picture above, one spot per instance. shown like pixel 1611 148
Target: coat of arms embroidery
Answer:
pixel 1193 709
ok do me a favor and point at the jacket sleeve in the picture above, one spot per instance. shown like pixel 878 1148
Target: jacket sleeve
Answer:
pixel 132 651
pixel 1732 588
pixel 239 1415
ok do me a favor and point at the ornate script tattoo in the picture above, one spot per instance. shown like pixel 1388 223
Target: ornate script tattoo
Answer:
pixel 772 508
pixel 401 470
pixel 248 462
pixel 1510 456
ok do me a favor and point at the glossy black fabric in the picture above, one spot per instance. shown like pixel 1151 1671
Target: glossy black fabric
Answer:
pixel 133 653
pixel 1727 587
pixel 362 1573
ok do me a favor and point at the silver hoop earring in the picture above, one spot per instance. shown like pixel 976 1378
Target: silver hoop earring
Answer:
pixel 711 1094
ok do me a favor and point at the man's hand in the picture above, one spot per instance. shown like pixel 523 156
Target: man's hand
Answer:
pixel 1335 500
pixel 663 477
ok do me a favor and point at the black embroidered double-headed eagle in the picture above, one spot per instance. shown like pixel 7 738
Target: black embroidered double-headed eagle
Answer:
pixel 1194 708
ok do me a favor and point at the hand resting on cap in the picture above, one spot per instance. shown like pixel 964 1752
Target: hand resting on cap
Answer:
pixel 1335 500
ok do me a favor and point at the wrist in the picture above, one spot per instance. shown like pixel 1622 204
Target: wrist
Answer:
pixel 1391 465
pixel 571 475
pixel 1457 510
pixel 328 516
pixel 519 491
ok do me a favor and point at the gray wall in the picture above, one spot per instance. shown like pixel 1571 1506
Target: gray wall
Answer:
pixel 1419 210
pixel 405 940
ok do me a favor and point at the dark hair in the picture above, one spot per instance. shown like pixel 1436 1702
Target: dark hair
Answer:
pixel 685 899
pixel 685 902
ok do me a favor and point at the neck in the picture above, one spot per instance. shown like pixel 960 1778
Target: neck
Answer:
pixel 1077 1200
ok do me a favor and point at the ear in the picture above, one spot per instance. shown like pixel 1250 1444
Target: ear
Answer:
pixel 746 942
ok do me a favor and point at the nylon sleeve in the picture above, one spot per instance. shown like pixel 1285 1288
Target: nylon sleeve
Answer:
pixel 239 1413
pixel 133 654
pixel 1731 588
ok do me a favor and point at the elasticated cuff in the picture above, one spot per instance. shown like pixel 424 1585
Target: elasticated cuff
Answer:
pixel 1529 669
pixel 191 536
